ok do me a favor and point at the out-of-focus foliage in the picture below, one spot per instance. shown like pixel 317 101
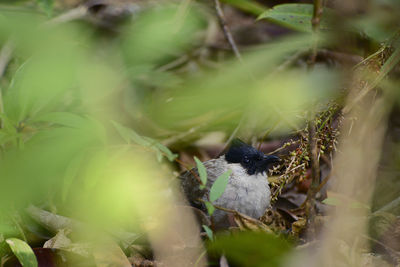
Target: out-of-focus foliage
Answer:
pixel 252 249
pixel 242 89
pixel 246 5
pixel 84 121
pixel 47 6
pixel 294 16
pixel 59 133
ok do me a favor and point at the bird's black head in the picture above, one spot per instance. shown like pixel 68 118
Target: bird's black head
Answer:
pixel 251 159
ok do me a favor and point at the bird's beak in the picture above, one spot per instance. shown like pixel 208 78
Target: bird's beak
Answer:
pixel 271 159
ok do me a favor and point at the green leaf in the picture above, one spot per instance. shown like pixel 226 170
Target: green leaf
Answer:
pixel 166 152
pixel 7 124
pixel 123 131
pixel 23 252
pixel 70 173
pixel 129 135
pixel 63 118
pixel 331 201
pixel 294 16
pixel 210 207
pixel 219 186
pixel 202 172
pixel 209 232
pixel 256 249
pixel 247 5
pixel 47 6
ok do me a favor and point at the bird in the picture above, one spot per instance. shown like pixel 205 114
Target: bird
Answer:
pixel 247 190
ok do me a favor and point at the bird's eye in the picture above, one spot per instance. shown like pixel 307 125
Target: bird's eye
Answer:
pixel 246 160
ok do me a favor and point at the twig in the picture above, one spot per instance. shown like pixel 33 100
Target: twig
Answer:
pixel 315 22
pixel 365 60
pixel 317 15
pixel 285 145
pixel 285 178
pixel 288 62
pixel 225 29
pixel 54 223
pixel 320 186
pixel 200 257
pixel 173 64
pixel 390 206
pixel 237 213
pixel 312 151
pixel 389 249
pixel 73 14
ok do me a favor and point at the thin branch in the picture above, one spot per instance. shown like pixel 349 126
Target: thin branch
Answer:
pixel 289 61
pixel 393 252
pixel 237 213
pixel 315 171
pixel 390 206
pixel 73 14
pixel 320 186
pixel 285 145
pixel 315 22
pixel 225 29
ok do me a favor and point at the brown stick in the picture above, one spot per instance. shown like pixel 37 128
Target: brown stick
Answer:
pixel 310 204
pixel 225 29
pixel 315 22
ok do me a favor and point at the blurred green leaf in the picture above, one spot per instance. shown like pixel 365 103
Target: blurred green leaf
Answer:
pixel 159 33
pixel 38 87
pixel 293 16
pixel 254 89
pixel 8 132
pixel 247 5
pixel 7 229
pixel 331 201
pixel 218 187
pixel 23 252
pixel 47 6
pixel 109 254
pixel 252 249
pixel 70 173
pixel 202 172
pixel 36 170
pixel 63 118
pixel 210 207
pixel 379 25
pixel 165 151
pixel 129 135
pixel 94 168
pixel 209 232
